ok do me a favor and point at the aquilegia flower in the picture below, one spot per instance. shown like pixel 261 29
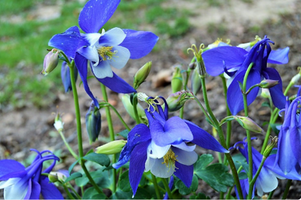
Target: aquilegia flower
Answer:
pixel 266 181
pixel 19 182
pixel 234 61
pixel 103 50
pixel 165 147
pixel 289 143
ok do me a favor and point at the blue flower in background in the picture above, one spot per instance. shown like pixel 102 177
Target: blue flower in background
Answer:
pixel 65 75
pixel 289 142
pixel 166 147
pixel 19 182
pixel 266 181
pixel 103 50
pixel 234 61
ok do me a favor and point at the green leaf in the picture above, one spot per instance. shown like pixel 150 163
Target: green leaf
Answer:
pixel 124 183
pixel 99 177
pixel 73 176
pixel 216 175
pixel 91 193
pixel 140 194
pixel 199 196
pixel 72 166
pixel 239 160
pixel 183 190
pixel 124 133
pixel 101 159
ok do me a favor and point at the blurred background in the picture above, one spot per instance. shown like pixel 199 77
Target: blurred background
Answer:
pixel 29 100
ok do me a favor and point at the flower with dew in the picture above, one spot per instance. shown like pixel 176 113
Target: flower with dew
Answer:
pixel 266 181
pixel 19 182
pixel 289 143
pixel 165 147
pixel 112 48
pixel 234 61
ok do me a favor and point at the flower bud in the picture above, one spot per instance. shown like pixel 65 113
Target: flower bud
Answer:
pixel 112 147
pixel 177 100
pixel 270 146
pixel 176 81
pixel 50 61
pixel 126 101
pixel 218 43
pixel 65 75
pixel 58 176
pixel 265 93
pixel 196 82
pixel 93 122
pixel 295 79
pixel 268 83
pixel 58 123
pixel 142 74
pixel 248 124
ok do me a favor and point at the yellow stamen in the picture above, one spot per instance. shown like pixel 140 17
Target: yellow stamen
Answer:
pixel 169 159
pixel 106 52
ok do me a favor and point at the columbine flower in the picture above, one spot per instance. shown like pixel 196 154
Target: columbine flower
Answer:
pixel 103 50
pixel 19 182
pixel 266 181
pixel 289 141
pixel 234 61
pixel 165 148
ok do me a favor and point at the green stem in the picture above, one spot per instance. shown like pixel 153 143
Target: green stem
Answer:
pixel 70 196
pixel 165 183
pixel 91 180
pixel 271 194
pixel 67 145
pixel 76 194
pixel 135 103
pixel 154 179
pixel 111 131
pixel 287 188
pixel 252 182
pixel 119 116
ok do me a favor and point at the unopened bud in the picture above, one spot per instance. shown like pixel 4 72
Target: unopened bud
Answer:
pixel 270 146
pixel 268 83
pixel 58 123
pixel 57 177
pixel 196 82
pixel 176 81
pixel 126 101
pixel 65 75
pixel 112 147
pixel 248 124
pixel 50 61
pixel 93 122
pixel 142 74
pixel 177 100
pixel 295 79
pixel 265 93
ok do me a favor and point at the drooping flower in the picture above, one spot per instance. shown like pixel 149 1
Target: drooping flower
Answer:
pixel 289 142
pixel 102 50
pixel 19 182
pixel 266 181
pixel 234 61
pixel 165 147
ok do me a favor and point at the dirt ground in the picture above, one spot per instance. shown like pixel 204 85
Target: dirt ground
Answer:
pixel 236 20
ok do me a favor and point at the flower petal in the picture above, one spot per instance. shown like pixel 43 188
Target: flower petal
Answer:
pixel 276 92
pixel 183 146
pixel 139 43
pixel 185 157
pixel 219 58
pixel 161 170
pixel 112 37
pixel 234 94
pixel 9 166
pixel 90 53
pixel 117 84
pixel 95 14
pixel 69 41
pixel 48 190
pixel 279 56
pixel 102 70
pixel 204 139
pixel 266 182
pixel 184 173
pixel 157 151
pixel 121 57
pixel 138 158
pixel 81 64
pixel 35 190
pixel 17 189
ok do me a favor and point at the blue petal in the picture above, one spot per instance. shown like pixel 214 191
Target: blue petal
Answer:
pixel 219 58
pixel 95 14
pixel 140 133
pixel 81 64
pixel 137 164
pixel 234 94
pixel 9 166
pixel 279 56
pixel 139 43
pixel 112 37
pixel 102 70
pixel 174 131
pixel 277 95
pixel 184 173
pixel 117 84
pixel 204 139
pixel 48 190
pixel 69 41
pixel 35 190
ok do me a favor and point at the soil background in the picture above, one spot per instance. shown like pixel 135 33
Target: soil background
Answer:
pixel 237 20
